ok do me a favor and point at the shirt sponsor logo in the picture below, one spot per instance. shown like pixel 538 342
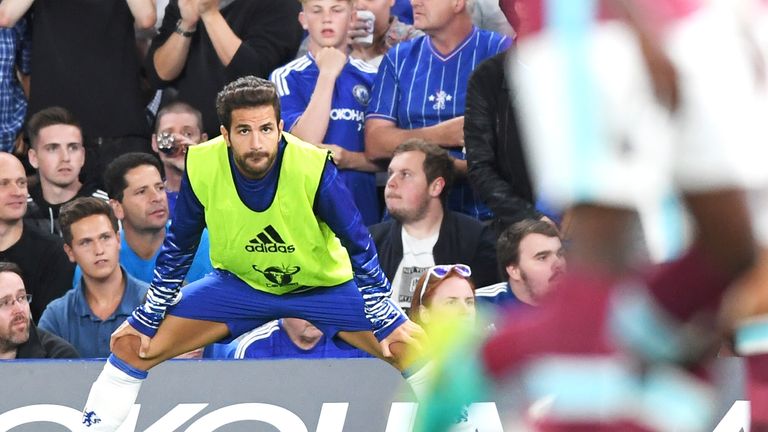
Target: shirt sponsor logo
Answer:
pixel 347 114
pixel 269 241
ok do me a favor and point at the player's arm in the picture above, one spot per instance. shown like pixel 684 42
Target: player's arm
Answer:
pixel 332 206
pixel 173 262
pixel 313 123
pixel 144 13
pixel 382 136
pixel 11 11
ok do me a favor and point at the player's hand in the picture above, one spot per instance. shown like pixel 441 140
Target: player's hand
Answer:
pixel 330 61
pixel 189 14
pixel 126 329
pixel 340 155
pixel 408 333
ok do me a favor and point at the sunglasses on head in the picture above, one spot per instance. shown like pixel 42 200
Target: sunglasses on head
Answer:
pixel 439 271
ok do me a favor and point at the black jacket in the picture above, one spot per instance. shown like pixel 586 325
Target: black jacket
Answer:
pixel 497 166
pixel 42 344
pixel 462 239
pixel 45 216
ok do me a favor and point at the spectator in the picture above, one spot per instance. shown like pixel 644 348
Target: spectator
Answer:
pixel 16 43
pixel 530 254
pixel 85 60
pixel 444 292
pixel 19 337
pixel 323 96
pixel 106 294
pixel 420 89
pixel 444 303
pixel 287 338
pixel 388 31
pixel 422 233
pixel 46 271
pixel 58 154
pixel 497 167
pixel 177 127
pixel 204 44
pixel 487 15
pixel 137 195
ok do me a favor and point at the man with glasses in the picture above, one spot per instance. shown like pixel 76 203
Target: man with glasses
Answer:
pixel 58 154
pixel 19 338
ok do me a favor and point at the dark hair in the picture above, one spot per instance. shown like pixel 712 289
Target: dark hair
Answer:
pixel 48 117
pixel 114 175
pixel 10 267
pixel 437 162
pixel 81 208
pixel 246 92
pixel 429 291
pixel 508 244
pixel 178 107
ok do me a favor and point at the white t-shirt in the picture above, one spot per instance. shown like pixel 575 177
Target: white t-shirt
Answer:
pixel 417 258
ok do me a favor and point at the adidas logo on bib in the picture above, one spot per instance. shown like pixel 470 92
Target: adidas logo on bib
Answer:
pixel 269 241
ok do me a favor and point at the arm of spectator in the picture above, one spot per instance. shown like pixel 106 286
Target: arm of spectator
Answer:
pixel 346 159
pixel 313 124
pixel 144 13
pixel 479 132
pixel 273 36
pixel 332 207
pixel 11 11
pixel 382 135
pixel 173 262
pixel 169 57
pixel 224 40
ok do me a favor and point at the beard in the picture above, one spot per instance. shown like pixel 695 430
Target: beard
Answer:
pixel 250 171
pixel 14 338
pixel 409 215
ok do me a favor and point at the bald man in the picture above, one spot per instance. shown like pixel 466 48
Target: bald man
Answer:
pixel 46 271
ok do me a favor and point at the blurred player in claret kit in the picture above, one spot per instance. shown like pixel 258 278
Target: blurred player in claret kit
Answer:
pixel 620 102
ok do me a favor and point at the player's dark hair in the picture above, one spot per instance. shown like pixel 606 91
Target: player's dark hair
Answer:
pixel 246 92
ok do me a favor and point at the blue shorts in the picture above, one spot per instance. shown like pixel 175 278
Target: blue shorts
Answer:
pixel 222 297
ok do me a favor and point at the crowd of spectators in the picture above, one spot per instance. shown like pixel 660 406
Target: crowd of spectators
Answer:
pixel 121 89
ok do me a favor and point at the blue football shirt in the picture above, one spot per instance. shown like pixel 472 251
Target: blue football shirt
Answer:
pixel 295 84
pixel 417 86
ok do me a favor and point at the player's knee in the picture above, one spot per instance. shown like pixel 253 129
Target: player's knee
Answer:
pixel 126 348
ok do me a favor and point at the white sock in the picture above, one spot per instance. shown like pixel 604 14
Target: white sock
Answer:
pixel 112 396
pixel 419 379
